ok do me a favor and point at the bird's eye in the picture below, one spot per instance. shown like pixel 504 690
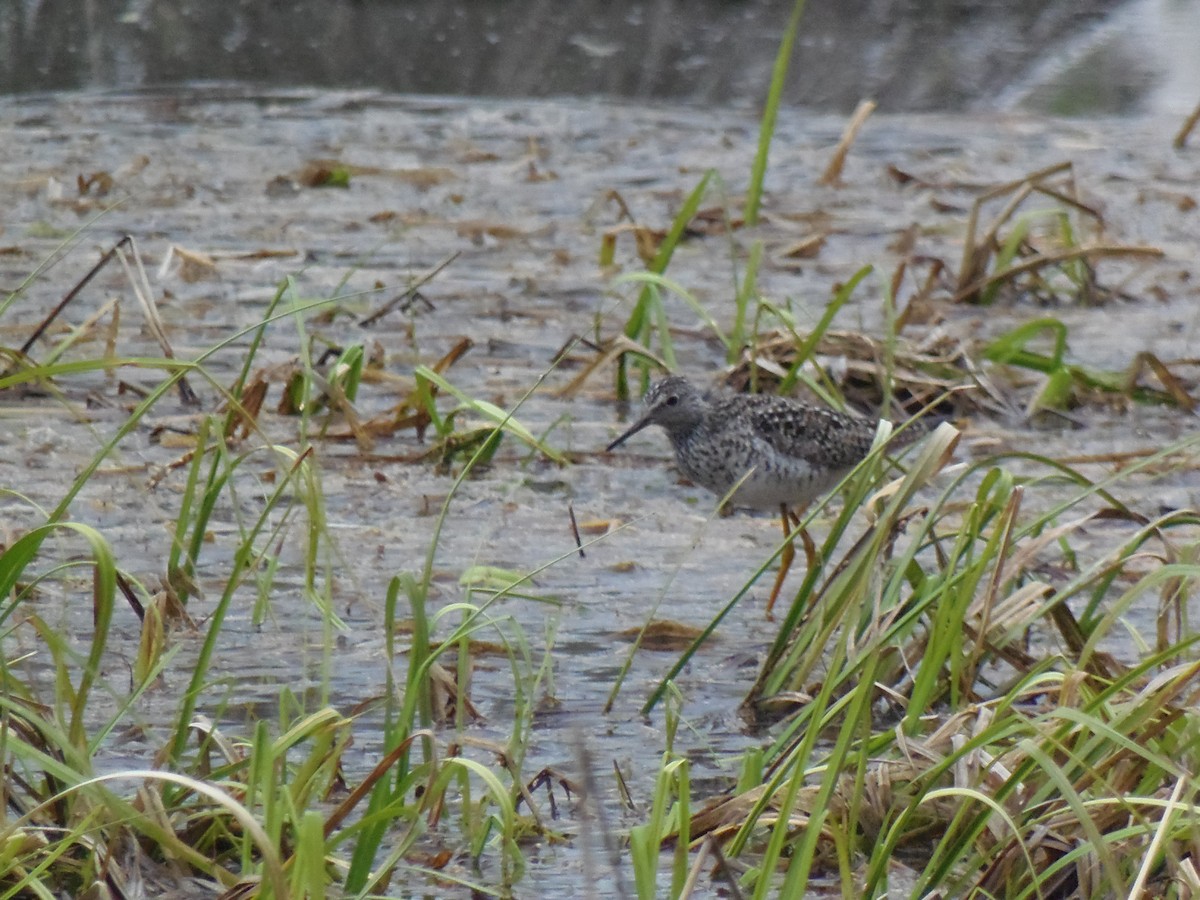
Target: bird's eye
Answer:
pixel 672 400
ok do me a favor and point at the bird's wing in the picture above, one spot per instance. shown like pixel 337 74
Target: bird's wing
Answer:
pixel 837 440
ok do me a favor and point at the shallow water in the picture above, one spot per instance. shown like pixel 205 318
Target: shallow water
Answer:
pixel 523 199
pixel 1075 57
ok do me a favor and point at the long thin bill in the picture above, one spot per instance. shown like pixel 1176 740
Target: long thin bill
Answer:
pixel 630 432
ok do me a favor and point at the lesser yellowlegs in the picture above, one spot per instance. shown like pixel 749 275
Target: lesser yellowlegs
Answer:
pixel 780 453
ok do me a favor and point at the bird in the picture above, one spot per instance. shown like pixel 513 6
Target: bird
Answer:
pixel 771 452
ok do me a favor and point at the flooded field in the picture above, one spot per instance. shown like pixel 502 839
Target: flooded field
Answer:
pixel 520 197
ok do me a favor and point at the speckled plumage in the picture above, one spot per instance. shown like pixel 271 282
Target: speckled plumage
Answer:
pixel 792 451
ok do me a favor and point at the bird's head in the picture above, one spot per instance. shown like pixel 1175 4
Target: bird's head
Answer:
pixel 674 403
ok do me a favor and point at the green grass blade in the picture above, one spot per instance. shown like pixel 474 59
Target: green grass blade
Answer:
pixel 766 130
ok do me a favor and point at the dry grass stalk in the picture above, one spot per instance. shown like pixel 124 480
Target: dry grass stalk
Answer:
pixel 832 176
pixel 1185 130
pixel 984 265
pixel 937 370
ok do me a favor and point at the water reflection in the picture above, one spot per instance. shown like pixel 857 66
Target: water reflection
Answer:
pixel 908 55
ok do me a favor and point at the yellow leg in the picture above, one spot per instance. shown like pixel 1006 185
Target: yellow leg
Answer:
pixel 790 520
pixel 810 549
pixel 789 554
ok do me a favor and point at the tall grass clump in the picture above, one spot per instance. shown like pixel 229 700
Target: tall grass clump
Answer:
pixel 962 699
